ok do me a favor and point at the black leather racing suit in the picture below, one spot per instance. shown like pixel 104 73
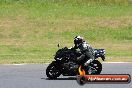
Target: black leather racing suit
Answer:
pixel 87 50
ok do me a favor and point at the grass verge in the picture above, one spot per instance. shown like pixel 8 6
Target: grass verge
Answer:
pixel 31 29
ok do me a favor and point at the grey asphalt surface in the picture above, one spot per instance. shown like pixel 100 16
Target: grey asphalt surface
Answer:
pixel 33 76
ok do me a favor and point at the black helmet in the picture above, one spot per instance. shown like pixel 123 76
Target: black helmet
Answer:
pixel 78 40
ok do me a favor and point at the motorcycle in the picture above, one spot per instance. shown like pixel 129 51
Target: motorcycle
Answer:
pixel 66 63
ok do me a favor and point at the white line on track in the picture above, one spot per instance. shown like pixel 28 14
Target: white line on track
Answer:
pixel 15 64
pixel 117 62
pixel 107 62
pixel 49 63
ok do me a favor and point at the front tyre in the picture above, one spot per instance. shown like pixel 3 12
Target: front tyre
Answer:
pixel 53 70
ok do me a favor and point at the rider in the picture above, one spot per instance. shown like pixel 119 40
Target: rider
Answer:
pixel 85 48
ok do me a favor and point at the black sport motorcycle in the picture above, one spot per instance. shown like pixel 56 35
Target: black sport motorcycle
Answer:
pixel 66 63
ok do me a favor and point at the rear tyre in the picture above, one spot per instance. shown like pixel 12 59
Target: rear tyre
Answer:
pixel 96 67
pixel 53 71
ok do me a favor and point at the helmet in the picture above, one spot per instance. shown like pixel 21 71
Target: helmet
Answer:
pixel 78 40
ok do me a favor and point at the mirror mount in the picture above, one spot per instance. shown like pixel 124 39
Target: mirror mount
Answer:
pixel 58 45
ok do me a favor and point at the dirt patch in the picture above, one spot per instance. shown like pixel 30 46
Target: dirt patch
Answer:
pixel 114 22
pixel 9 22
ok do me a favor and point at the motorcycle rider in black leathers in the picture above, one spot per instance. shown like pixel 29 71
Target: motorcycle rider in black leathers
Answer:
pixel 85 49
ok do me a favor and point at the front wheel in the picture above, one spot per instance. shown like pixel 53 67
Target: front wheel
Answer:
pixel 53 70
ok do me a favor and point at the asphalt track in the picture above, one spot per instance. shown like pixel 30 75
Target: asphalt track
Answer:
pixel 33 76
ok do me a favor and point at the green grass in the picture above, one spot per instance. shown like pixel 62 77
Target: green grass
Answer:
pixel 31 29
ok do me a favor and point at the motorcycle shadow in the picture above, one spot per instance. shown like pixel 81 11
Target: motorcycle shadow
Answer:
pixel 69 78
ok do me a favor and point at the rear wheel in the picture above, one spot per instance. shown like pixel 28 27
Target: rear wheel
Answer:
pixel 53 71
pixel 95 67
